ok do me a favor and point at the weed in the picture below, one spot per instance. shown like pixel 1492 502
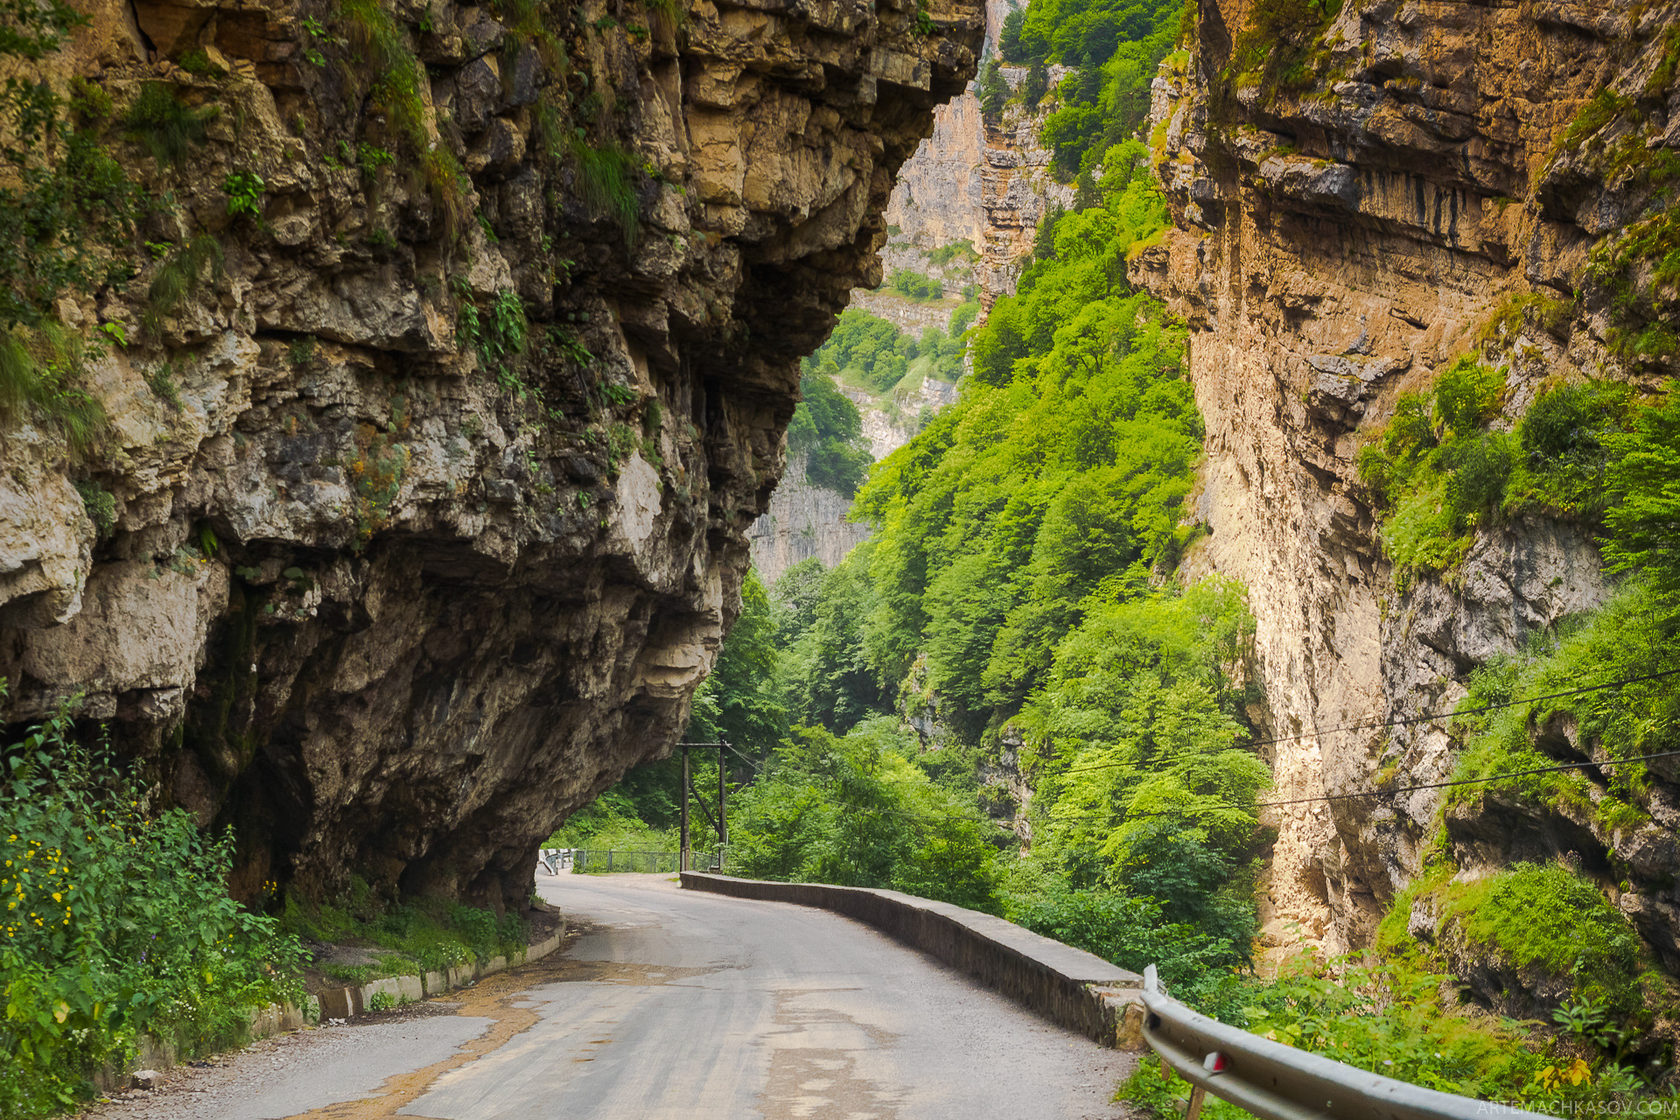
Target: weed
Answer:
pixel 198 63
pixel 370 158
pixel 301 352
pixel 497 335
pixel 606 183
pixel 376 475
pixel 160 379
pixel 244 193
pixel 121 924
pixel 41 369
pixel 166 127
pixel 101 506
pixel 181 275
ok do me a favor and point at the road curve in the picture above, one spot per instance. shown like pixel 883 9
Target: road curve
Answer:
pixel 686 1006
pixel 682 1006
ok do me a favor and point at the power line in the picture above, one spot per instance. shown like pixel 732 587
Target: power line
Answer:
pixel 1397 790
pixel 1400 722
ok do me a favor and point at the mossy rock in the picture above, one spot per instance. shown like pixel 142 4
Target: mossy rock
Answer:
pixel 1529 938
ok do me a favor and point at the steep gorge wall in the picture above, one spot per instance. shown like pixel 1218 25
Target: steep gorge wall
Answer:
pixel 424 509
pixel 1334 247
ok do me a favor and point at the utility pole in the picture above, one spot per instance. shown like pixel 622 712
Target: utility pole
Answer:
pixel 721 824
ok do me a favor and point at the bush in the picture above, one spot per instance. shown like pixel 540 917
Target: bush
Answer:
pixel 116 924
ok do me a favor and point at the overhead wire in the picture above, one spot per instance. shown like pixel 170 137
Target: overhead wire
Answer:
pixel 1403 721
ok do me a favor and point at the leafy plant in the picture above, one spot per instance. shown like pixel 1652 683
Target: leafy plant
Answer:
pixel 244 193
pixel 117 923
pixel 101 506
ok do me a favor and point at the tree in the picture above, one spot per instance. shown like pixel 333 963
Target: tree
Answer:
pixel 1037 84
pixel 994 91
pixel 739 702
pixel 1009 38
pixel 1645 482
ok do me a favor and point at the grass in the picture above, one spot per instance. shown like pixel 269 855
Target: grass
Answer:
pixel 41 374
pixel 424 935
pixel 384 61
pixel 164 125
pixel 181 275
pixel 1545 916
pixel 607 177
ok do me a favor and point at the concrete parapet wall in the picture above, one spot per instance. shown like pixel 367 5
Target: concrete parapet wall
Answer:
pixel 1067 986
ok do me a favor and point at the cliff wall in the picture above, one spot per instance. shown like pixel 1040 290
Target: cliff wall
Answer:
pixel 454 369
pixel 1351 215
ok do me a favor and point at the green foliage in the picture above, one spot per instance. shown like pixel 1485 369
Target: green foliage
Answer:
pixel 1544 915
pixel 1437 471
pixel 116 923
pixel 198 63
pixel 1060 470
pixel 1631 636
pixel 180 276
pixel 1278 47
pixel 916 285
pixel 41 374
pixel 101 506
pixel 828 430
pixel 1645 481
pixel 740 702
pixel 607 182
pixel 382 63
pixel 963 318
pixel 244 193
pixel 1116 46
pixel 1638 270
pixel 994 91
pixel 1388 1017
pixel 166 126
pixel 871 353
pixel 956 251
pixel 422 935
pixel 857 811
pixel 498 333
pixel 66 208
pixel 830 676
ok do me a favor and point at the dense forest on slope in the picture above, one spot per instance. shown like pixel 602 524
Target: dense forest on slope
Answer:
pixel 1014 697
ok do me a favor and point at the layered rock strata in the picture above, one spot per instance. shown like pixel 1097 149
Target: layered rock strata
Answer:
pixel 424 495
pixel 1344 232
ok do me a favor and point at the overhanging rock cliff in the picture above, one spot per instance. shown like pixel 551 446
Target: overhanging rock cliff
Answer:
pixel 1363 192
pixel 455 371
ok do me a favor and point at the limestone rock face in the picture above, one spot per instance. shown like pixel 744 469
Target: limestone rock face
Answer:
pixel 426 501
pixel 1335 247
pixel 805 520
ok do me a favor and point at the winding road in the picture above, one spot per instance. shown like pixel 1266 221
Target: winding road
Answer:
pixel 678 1006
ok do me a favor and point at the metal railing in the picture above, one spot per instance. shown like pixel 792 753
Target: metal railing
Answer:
pixel 587 861
pixel 1279 1082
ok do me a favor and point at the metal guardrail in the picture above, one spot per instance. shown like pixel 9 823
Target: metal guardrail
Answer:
pixel 1279 1082
pixel 586 861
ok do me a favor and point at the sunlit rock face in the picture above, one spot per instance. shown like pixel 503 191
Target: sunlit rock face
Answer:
pixel 429 494
pixel 1335 247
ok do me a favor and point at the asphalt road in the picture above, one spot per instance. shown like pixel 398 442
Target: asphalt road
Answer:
pixel 681 1006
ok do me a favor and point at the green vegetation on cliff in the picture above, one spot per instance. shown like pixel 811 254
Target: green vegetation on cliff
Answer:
pixel 1115 46
pixel 116 922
